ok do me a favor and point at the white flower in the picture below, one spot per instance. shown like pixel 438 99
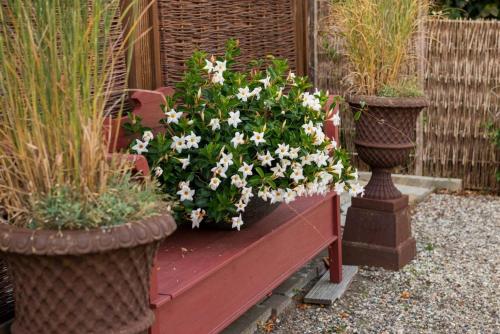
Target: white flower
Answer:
pixel 240 206
pixel 185 162
pixel 256 92
pixel 266 81
pixel 186 193
pixel 265 159
pixel 243 94
pixel 173 116
pixel 291 76
pixel 196 217
pixel 285 163
pixel 258 138
pixel 192 140
pixel 278 171
pixel 300 190
pixel 331 145
pixel 282 150
pixel 140 147
pixel 336 119
pixel 337 168
pixel 289 196
pixel 339 187
pixel 307 159
pixel 321 159
pixel 319 137
pixel 226 159
pixel 214 183
pixel 209 66
pixel 355 174
pixel 326 178
pixel 221 66
pixel 158 171
pixel 309 128
pixel 297 175
pixel 219 170
pixel 147 136
pixel 218 78
pixel 215 124
pixel 294 153
pixel 276 196
pixel 246 194
pixel 356 189
pixel 246 169
pixel 264 193
pixel 237 181
pixel 183 184
pixel 178 143
pixel 237 222
pixel 311 101
pixel 234 118
pixel 238 139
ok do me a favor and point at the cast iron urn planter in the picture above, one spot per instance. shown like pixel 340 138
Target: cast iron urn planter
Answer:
pixel 378 231
pixel 75 282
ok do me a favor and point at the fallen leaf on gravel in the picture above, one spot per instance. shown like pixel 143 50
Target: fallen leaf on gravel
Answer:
pixel 405 295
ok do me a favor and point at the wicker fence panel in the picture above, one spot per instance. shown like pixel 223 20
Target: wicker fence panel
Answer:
pixel 462 80
pixel 262 27
pixel 463 84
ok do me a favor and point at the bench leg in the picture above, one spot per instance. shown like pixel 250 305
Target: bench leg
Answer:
pixel 335 249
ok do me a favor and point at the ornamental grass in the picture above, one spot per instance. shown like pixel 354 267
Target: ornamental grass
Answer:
pixel 377 35
pixel 56 79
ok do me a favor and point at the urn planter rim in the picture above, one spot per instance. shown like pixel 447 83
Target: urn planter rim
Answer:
pixel 25 241
pixel 389 102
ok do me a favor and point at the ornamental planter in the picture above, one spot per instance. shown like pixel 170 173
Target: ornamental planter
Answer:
pixel 385 136
pixel 93 281
pixel 378 231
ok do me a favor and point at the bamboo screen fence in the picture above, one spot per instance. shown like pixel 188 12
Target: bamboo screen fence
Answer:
pixel 461 73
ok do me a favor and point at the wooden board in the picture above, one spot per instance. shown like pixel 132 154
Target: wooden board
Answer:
pixel 325 292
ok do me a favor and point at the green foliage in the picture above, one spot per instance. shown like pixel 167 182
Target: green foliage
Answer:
pixel 221 123
pixel 494 134
pixel 468 9
pixel 125 200
pixel 406 88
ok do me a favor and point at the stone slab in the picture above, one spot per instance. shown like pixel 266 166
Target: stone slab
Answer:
pixel 249 322
pixel 420 181
pixel 325 292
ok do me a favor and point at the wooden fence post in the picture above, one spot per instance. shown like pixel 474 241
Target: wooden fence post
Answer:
pixel 145 67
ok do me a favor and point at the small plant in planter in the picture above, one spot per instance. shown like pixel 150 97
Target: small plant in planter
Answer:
pixel 77 231
pixel 238 141
pixel 377 37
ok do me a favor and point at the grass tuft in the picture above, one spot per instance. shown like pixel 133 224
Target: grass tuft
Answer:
pixel 57 66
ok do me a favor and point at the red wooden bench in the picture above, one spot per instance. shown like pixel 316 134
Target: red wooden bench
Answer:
pixel 205 279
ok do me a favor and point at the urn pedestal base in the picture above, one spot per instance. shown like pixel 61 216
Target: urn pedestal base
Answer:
pixel 378 233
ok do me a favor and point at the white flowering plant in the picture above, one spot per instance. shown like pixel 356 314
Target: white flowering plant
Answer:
pixel 232 136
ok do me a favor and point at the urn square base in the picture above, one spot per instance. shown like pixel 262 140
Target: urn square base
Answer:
pixel 378 233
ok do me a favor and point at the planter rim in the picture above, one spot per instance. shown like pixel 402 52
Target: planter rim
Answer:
pixel 20 240
pixel 389 102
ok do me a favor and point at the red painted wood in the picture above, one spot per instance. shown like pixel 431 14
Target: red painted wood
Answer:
pixel 205 279
pixel 223 273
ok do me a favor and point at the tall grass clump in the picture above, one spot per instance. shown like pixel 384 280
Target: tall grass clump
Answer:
pixel 377 36
pixel 57 66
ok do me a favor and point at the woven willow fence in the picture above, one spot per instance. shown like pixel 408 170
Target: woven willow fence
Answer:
pixel 461 73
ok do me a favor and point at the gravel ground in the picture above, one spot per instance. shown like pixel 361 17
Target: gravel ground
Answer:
pixel 451 287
